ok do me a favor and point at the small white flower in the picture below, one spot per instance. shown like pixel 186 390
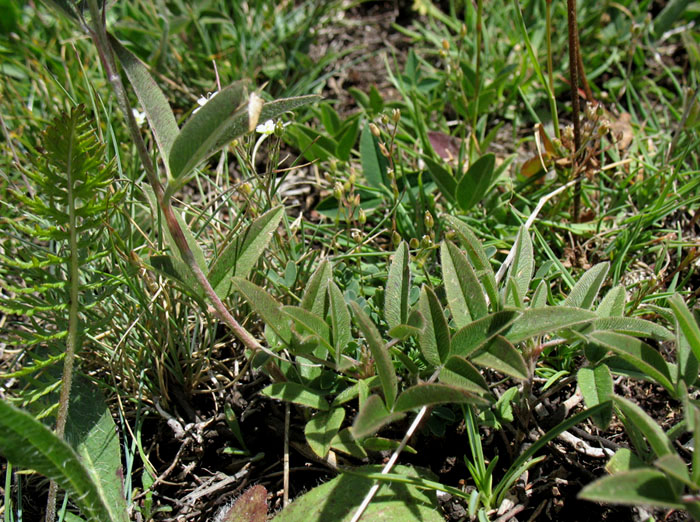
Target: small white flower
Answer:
pixel 202 100
pixel 266 128
pixel 139 116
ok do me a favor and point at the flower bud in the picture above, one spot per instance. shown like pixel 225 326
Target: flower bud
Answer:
pixel 413 243
pixel 374 130
pixel 383 150
pixel 445 45
pixel 428 220
pixel 338 191
pixel 361 217
pixel 395 115
pixel 396 238
pixel 425 241
pixel 245 188
pixel 463 31
pixel 356 236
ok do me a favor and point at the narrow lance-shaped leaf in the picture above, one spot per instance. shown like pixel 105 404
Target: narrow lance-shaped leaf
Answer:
pixel 476 182
pixel 372 416
pixel 547 321
pixel 340 320
pixel 385 368
pixel 477 333
pixel 434 339
pixel 523 263
pixel 27 443
pixel 459 372
pixel 205 127
pixel 659 442
pixel 478 258
pixel 430 393
pixel 633 326
pixel 374 164
pixel 244 250
pixel 155 105
pixel 687 323
pixel 266 306
pixel 586 289
pixel 613 304
pixel 596 386
pixel 398 285
pixel 638 486
pixel 465 295
pixel 314 298
pixel 503 357
pixel 637 353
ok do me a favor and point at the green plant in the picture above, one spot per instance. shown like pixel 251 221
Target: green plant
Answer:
pixel 656 474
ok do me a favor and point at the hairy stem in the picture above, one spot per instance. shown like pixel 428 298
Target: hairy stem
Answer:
pixel 573 75
pixel 73 339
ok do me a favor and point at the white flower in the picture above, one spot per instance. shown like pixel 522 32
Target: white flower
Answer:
pixel 202 100
pixel 266 128
pixel 139 116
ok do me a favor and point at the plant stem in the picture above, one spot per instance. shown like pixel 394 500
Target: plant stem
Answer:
pixel 550 69
pixel 73 340
pixel 573 75
pixel 99 36
pixel 477 75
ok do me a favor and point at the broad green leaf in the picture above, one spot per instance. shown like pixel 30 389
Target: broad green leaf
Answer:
pixel 523 263
pixel 155 105
pixel 639 354
pixel 461 373
pixel 547 321
pixel 385 368
pixel 340 320
pixel 346 443
pixel 442 177
pixel 372 416
pixel 477 256
pixel 475 183
pixel 242 253
pixel 297 393
pixel 659 442
pixel 624 460
pixel 398 286
pixel 675 467
pixel 640 486
pixel 478 333
pixel 687 323
pixel 27 443
pixel 315 298
pixel 465 295
pixel 613 304
pixel 687 362
pixel 404 331
pixel 321 430
pixel 430 393
pixel 205 128
pixel 586 289
pixel 596 386
pixel 225 117
pixel 307 323
pixel 633 326
pixel 434 339
pixel 266 307
pixel 91 431
pixel 338 499
pixel 374 164
pixel 503 357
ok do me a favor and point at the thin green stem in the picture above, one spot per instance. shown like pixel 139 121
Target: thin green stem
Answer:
pixel 550 71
